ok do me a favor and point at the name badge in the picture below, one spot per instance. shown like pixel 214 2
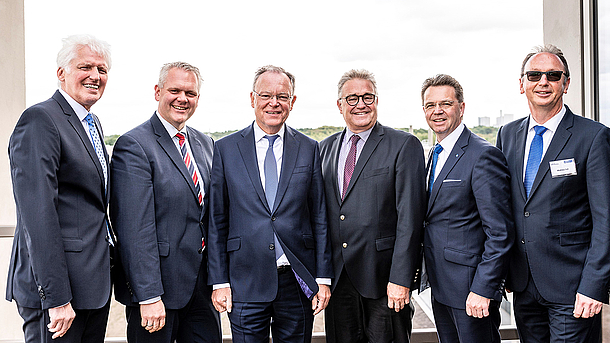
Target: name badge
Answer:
pixel 563 168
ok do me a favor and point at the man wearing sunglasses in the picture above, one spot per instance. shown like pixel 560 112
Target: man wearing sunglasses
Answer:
pixel 375 195
pixel 560 185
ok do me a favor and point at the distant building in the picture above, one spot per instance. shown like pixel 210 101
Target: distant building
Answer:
pixel 503 119
pixel 484 121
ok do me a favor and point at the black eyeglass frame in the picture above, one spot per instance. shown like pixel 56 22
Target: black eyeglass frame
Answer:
pixel 551 76
pixel 360 97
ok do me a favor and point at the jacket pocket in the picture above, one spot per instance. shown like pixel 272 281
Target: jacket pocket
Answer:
pixel 233 244
pixel 573 238
pixel 302 169
pixel 309 241
pixel 385 243
pixel 375 172
pixel 462 257
pixel 73 244
pixel 163 248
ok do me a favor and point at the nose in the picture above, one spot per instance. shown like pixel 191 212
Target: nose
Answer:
pixel 360 103
pixel 437 108
pixel 543 79
pixel 273 101
pixel 94 74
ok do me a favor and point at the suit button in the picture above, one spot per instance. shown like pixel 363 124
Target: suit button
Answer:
pixel 523 241
pixel 272 219
pixel 342 217
pixel 526 214
pixel 344 245
pixel 271 246
pixel 202 223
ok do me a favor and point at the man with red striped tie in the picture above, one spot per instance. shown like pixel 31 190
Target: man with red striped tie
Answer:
pixel 160 180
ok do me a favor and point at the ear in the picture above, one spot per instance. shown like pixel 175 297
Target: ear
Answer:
pixel 252 99
pixel 339 106
pixel 157 92
pixel 565 87
pixel 521 85
pixel 61 74
pixel 294 98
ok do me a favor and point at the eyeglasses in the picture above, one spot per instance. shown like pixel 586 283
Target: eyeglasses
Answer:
pixel 280 97
pixel 444 105
pixel 353 99
pixel 553 75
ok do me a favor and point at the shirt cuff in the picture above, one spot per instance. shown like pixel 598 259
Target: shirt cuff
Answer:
pixel 150 301
pixel 221 285
pixel 323 281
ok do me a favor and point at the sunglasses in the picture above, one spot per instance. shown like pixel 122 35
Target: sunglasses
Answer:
pixel 554 75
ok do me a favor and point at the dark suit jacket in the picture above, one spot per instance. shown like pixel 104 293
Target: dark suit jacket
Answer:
pixel 563 229
pixel 469 227
pixel 376 230
pixel 156 215
pixel 60 253
pixel 242 224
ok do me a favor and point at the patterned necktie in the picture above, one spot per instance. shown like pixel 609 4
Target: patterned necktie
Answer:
pixel 437 150
pixel 97 146
pixel 350 164
pixel 533 159
pixel 270 167
pixel 190 166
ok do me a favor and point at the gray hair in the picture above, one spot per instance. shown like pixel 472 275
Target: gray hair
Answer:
pixel 273 69
pixel 72 44
pixel 180 65
pixel 443 80
pixel 551 49
pixel 357 74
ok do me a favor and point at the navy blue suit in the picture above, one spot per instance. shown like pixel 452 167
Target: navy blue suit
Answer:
pixel 241 250
pixel 469 232
pixel 562 243
pixel 60 253
pixel 160 224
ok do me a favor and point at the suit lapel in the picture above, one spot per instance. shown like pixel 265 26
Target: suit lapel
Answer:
pixel 167 144
pixel 371 144
pixel 454 156
pixel 289 160
pixel 520 136
pixel 334 158
pixel 560 138
pixel 247 150
pixel 197 150
pixel 84 137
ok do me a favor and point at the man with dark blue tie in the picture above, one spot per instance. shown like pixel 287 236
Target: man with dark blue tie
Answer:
pixel 59 274
pixel 468 227
pixel 269 254
pixel 559 165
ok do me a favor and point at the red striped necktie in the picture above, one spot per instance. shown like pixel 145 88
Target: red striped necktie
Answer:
pixel 189 165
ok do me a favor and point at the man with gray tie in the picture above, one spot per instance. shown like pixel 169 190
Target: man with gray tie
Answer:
pixel 269 254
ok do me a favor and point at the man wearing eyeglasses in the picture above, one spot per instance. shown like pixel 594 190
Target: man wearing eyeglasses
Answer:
pixel 559 165
pixel 468 227
pixel 269 254
pixel 374 180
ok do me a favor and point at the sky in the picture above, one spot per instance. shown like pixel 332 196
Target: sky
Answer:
pixel 479 42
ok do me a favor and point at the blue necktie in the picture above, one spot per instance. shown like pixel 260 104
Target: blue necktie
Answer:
pixel 437 150
pixel 533 159
pixel 97 145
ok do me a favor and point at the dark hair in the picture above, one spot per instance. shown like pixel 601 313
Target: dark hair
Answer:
pixel 443 80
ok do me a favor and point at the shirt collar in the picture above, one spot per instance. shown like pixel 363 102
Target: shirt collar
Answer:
pixel 364 135
pixel 551 124
pixel 452 138
pixel 260 134
pixel 171 129
pixel 80 110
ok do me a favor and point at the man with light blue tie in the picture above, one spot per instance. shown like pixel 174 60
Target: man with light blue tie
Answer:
pixel 269 254
pixel 559 165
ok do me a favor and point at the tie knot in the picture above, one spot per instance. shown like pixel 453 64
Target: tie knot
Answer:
pixel 539 129
pixel 354 139
pixel 438 148
pixel 181 138
pixel 89 118
pixel 271 139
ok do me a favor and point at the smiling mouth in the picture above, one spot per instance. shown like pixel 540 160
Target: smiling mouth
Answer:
pixel 179 108
pixel 90 86
pixel 273 112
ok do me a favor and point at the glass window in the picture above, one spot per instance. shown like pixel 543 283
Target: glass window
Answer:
pixel 604 60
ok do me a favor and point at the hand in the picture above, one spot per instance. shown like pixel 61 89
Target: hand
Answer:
pixel 320 300
pixel 221 298
pixel 61 319
pixel 586 307
pixel 153 316
pixel 398 296
pixel 477 306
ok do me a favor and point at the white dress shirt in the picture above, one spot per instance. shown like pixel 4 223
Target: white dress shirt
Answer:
pixel 551 127
pixel 447 143
pixel 345 146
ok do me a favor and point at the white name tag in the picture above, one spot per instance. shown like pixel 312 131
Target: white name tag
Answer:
pixel 563 168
